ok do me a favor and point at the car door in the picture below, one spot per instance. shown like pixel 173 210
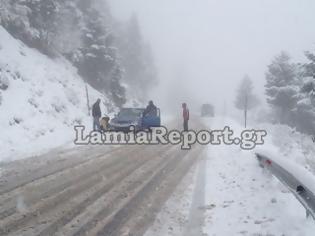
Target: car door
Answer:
pixel 152 121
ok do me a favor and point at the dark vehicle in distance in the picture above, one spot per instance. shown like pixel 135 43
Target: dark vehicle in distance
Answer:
pixel 207 110
pixel 133 117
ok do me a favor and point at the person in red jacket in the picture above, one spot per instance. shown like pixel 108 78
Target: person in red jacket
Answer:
pixel 185 116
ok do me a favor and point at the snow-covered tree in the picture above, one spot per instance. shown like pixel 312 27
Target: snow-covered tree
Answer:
pixel 133 50
pixel 137 58
pixel 117 91
pixel 245 99
pixel 309 83
pixel 281 87
pixel 85 32
pixel 305 108
pixel 93 58
pixel 97 59
pixel 67 38
pixel 37 23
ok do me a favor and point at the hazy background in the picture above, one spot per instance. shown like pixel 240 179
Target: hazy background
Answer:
pixel 203 48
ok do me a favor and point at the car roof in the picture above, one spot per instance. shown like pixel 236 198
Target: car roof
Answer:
pixel 132 108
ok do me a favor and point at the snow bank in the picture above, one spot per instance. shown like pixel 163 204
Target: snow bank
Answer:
pixel 293 145
pixel 300 173
pixel 42 100
pixel 292 150
pixel 281 140
pixel 244 199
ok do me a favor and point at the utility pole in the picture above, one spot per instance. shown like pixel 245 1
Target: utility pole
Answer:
pixel 87 99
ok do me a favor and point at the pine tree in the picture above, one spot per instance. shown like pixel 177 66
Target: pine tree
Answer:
pixel 133 51
pixel 245 99
pixel 137 58
pixel 96 58
pixel 309 75
pixel 33 21
pixel 305 109
pixel 70 26
pixel 117 91
pixel 281 87
pixel 82 30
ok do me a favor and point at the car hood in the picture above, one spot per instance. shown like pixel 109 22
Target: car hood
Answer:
pixel 125 120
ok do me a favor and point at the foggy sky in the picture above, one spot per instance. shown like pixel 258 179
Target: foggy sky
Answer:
pixel 203 48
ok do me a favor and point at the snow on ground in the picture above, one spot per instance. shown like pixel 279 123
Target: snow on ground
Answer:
pixel 243 199
pixel 167 119
pixel 44 99
pixel 174 216
pixel 293 150
pixel 287 145
pixel 290 144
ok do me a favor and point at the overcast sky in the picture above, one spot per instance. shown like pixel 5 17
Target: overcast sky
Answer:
pixel 203 48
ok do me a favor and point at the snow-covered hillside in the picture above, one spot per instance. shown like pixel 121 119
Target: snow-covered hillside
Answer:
pixel 40 100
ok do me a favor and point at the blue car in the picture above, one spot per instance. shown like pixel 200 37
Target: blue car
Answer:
pixel 151 121
pixel 133 117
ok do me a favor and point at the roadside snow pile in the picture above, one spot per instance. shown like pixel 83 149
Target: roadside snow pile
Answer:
pixel 290 144
pixel 302 175
pixel 244 199
pixel 293 151
pixel 40 100
pixel 285 143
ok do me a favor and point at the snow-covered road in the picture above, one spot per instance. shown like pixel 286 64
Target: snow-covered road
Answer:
pixel 240 198
pixel 101 192
pixel 149 190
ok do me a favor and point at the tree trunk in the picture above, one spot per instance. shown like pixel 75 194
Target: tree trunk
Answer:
pixel 245 111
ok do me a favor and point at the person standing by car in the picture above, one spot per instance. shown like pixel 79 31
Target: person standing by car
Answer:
pixel 151 110
pixel 185 116
pixel 96 113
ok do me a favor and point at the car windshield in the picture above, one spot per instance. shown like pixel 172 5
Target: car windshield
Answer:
pixel 130 112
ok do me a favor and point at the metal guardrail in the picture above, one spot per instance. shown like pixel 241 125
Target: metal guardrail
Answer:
pixel 305 196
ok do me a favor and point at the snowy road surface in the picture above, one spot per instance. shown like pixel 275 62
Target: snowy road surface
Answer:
pixel 116 193
pixel 146 190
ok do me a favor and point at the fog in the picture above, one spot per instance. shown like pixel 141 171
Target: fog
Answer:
pixel 204 48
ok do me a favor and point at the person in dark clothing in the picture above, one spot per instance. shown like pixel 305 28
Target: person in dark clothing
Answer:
pixel 96 113
pixel 185 116
pixel 151 110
